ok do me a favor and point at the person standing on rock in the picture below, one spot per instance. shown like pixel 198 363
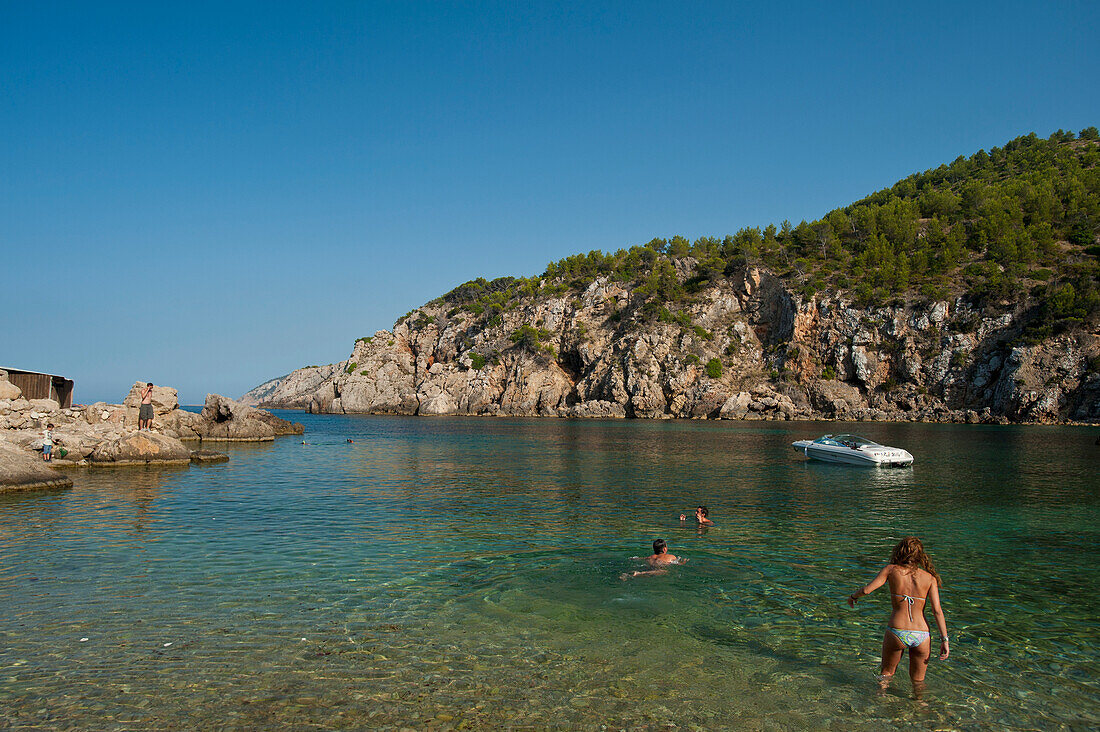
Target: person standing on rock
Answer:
pixel 47 443
pixel 145 413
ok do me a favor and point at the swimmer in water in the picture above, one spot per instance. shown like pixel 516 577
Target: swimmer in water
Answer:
pixel 658 563
pixel 914 584
pixel 701 514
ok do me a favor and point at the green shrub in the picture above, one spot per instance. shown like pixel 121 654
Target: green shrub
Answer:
pixel 828 373
pixel 364 339
pixel 477 361
pixel 703 333
pixel 529 338
pixel 691 358
pixel 714 368
pixel 364 372
pixel 351 367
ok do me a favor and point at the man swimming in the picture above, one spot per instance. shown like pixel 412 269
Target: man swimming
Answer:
pixel 658 563
pixel 701 516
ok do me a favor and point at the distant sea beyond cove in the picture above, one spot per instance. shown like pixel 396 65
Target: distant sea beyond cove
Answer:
pixel 466 572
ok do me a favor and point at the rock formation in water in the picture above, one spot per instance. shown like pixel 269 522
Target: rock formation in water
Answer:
pixel 106 434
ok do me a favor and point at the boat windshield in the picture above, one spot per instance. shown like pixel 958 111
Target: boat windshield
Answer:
pixel 853 441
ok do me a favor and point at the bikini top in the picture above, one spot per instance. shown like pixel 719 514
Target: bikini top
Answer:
pixel 910 600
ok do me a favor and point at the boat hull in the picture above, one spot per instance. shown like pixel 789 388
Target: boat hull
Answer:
pixel 880 456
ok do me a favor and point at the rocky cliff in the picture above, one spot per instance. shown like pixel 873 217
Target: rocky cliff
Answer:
pixel 746 346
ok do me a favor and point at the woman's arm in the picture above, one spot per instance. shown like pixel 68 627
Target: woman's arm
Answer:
pixel 877 582
pixel 941 622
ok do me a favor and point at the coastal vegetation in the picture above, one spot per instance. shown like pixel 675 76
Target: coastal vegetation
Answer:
pixel 1016 222
pixel 968 292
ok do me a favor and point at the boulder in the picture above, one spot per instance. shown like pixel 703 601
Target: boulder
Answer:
pixel 9 390
pixel 225 419
pixel 20 470
pixel 736 407
pixel 45 405
pixel 165 398
pixel 138 448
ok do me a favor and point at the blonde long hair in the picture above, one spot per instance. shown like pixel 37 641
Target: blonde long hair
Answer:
pixel 910 553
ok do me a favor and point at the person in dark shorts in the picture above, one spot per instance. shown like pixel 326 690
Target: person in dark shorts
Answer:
pixel 145 413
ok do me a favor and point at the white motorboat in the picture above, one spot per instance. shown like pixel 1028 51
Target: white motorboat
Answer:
pixel 853 450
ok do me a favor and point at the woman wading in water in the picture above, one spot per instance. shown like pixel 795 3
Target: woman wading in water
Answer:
pixel 914 583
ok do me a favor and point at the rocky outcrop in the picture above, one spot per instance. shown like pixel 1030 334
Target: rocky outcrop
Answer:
pixel 297 390
pixel 106 434
pixel 744 347
pixel 140 448
pixel 226 420
pixel 165 399
pixel 20 470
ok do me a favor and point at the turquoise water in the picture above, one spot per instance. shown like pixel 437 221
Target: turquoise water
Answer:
pixel 464 573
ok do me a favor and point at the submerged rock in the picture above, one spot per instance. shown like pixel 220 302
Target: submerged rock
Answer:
pixel 208 456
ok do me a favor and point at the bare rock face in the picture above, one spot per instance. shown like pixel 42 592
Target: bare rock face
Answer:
pixel 165 398
pixel 137 448
pixel 225 419
pixel 745 347
pixel 21 470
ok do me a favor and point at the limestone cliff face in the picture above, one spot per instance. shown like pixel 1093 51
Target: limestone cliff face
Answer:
pixel 751 349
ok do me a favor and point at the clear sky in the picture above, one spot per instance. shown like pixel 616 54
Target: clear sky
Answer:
pixel 209 195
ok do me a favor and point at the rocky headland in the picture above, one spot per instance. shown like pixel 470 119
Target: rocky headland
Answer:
pixel 967 293
pixel 104 434
pixel 749 348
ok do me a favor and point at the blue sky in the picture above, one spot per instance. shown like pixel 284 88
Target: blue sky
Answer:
pixel 209 195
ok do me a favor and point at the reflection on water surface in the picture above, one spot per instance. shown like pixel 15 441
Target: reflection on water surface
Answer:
pixel 447 572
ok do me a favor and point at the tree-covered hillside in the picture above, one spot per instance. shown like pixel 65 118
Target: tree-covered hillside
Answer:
pixel 1019 222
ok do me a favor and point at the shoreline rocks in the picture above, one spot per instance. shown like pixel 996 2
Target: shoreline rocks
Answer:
pixel 22 471
pixel 105 435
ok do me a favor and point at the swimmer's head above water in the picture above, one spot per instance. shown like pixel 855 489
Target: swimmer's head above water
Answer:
pixel 660 546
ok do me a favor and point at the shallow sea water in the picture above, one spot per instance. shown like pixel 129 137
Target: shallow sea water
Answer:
pixel 464 573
